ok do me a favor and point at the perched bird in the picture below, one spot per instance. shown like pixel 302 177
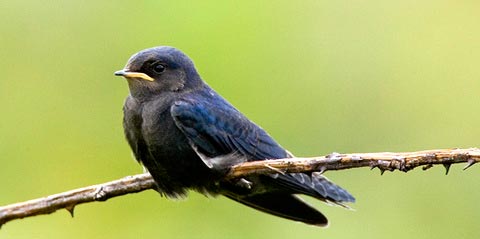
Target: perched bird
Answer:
pixel 187 136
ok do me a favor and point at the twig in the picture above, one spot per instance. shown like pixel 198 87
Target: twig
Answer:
pixel 335 161
pixel 68 200
pixel 385 161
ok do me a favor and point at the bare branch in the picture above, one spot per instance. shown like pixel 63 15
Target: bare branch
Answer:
pixel 68 200
pixel 385 161
pixel 335 161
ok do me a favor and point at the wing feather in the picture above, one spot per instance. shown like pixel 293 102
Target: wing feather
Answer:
pixel 217 131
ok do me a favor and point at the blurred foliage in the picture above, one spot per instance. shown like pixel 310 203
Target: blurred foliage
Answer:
pixel 320 76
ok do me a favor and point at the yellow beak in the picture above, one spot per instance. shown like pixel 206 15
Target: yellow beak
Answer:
pixel 128 74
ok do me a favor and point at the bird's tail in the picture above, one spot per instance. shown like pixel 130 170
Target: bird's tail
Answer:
pixel 283 205
pixel 279 199
pixel 315 185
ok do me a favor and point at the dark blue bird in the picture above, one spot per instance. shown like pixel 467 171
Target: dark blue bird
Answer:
pixel 187 136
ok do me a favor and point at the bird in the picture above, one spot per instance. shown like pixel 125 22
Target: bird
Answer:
pixel 187 136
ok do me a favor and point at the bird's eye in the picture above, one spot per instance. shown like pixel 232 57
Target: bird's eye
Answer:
pixel 158 68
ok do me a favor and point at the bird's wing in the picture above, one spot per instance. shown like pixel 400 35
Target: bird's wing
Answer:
pixel 223 136
pixel 217 130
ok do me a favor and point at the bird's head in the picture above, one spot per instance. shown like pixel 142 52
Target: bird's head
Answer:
pixel 159 69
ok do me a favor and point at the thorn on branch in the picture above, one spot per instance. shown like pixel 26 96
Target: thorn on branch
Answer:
pixel 70 209
pixel 381 171
pixel 447 167
pixel 470 163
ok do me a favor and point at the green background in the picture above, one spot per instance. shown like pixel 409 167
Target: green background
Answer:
pixel 320 76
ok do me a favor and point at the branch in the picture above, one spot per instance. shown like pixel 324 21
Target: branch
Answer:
pixel 68 200
pixel 335 161
pixel 384 161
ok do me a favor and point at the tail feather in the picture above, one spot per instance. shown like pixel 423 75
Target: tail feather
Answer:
pixel 276 195
pixel 283 205
pixel 315 185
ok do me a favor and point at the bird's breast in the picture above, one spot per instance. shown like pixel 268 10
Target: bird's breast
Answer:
pixel 171 159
